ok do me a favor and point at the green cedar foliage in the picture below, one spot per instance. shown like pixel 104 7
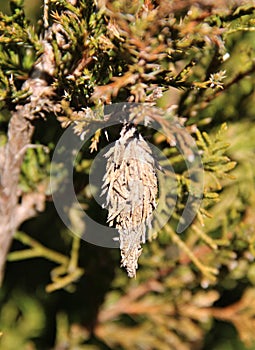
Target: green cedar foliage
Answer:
pixel 193 60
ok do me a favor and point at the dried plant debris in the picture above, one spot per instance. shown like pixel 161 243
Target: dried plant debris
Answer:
pixel 131 189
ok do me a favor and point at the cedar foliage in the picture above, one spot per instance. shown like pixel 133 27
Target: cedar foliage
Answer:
pixel 192 63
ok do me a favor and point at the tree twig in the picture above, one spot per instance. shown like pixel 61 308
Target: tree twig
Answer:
pixel 20 131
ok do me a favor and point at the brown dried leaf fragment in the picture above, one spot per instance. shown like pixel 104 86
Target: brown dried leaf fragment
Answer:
pixel 131 188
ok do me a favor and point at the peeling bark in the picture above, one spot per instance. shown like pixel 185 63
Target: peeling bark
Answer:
pixel 14 209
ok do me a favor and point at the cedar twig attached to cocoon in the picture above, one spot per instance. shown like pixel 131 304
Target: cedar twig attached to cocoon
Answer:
pixel 131 188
